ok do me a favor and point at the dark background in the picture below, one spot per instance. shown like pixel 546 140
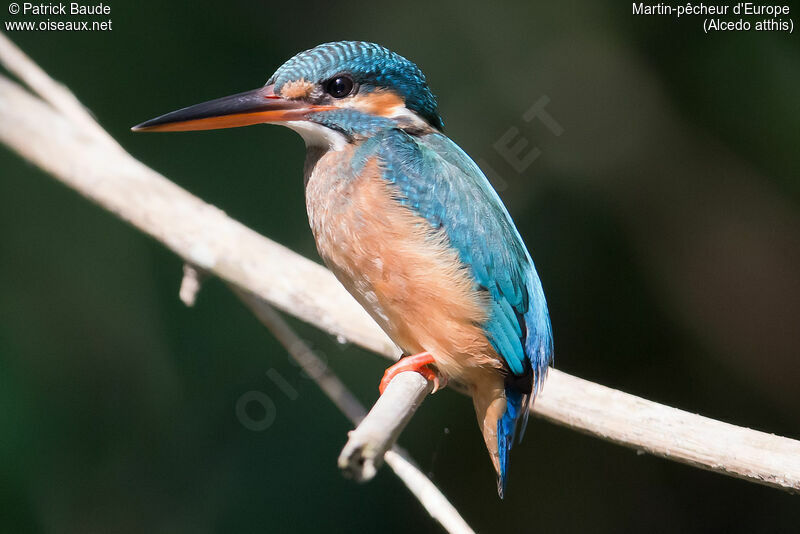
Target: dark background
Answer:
pixel 663 221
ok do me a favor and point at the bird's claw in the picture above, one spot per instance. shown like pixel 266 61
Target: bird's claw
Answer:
pixel 418 363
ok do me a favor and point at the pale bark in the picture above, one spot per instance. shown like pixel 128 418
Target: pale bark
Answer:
pixel 54 133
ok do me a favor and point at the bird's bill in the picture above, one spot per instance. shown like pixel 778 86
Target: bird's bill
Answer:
pixel 258 106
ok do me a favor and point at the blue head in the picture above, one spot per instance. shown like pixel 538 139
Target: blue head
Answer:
pixel 342 90
pixel 362 77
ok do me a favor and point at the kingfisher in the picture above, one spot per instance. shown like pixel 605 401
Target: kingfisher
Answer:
pixel 409 225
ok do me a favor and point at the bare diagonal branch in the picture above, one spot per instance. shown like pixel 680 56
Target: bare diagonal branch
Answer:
pixel 205 236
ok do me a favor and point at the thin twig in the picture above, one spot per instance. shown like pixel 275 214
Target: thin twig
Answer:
pixel 420 486
pixel 74 121
pixel 426 491
pixel 205 236
pixel 312 365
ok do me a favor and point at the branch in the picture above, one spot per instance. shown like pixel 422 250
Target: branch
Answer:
pixel 367 444
pixel 58 96
pixel 420 486
pixel 376 432
pixel 204 236
pixel 151 206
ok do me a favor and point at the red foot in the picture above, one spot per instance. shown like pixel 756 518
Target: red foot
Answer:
pixel 418 363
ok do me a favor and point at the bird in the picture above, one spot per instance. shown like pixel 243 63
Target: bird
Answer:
pixel 409 224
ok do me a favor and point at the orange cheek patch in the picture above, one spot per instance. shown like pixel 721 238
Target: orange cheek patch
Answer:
pixel 380 102
pixel 296 89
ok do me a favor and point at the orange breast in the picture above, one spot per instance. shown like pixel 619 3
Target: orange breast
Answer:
pixel 403 272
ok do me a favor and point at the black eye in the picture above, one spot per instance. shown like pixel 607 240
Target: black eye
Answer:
pixel 339 87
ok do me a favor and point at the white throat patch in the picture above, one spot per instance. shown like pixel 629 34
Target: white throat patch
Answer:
pixel 317 135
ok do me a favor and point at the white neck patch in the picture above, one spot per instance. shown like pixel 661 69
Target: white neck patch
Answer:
pixel 404 115
pixel 317 135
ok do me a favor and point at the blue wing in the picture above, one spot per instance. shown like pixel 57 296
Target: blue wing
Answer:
pixel 440 182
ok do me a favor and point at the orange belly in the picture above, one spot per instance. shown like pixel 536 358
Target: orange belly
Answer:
pixel 400 270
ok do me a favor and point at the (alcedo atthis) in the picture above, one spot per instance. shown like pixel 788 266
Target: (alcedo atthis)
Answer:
pixel 409 225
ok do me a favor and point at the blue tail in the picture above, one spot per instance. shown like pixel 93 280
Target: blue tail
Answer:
pixel 516 409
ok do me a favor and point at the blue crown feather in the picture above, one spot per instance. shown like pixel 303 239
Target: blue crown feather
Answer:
pixel 371 66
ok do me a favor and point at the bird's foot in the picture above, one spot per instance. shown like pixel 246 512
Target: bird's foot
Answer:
pixel 419 363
